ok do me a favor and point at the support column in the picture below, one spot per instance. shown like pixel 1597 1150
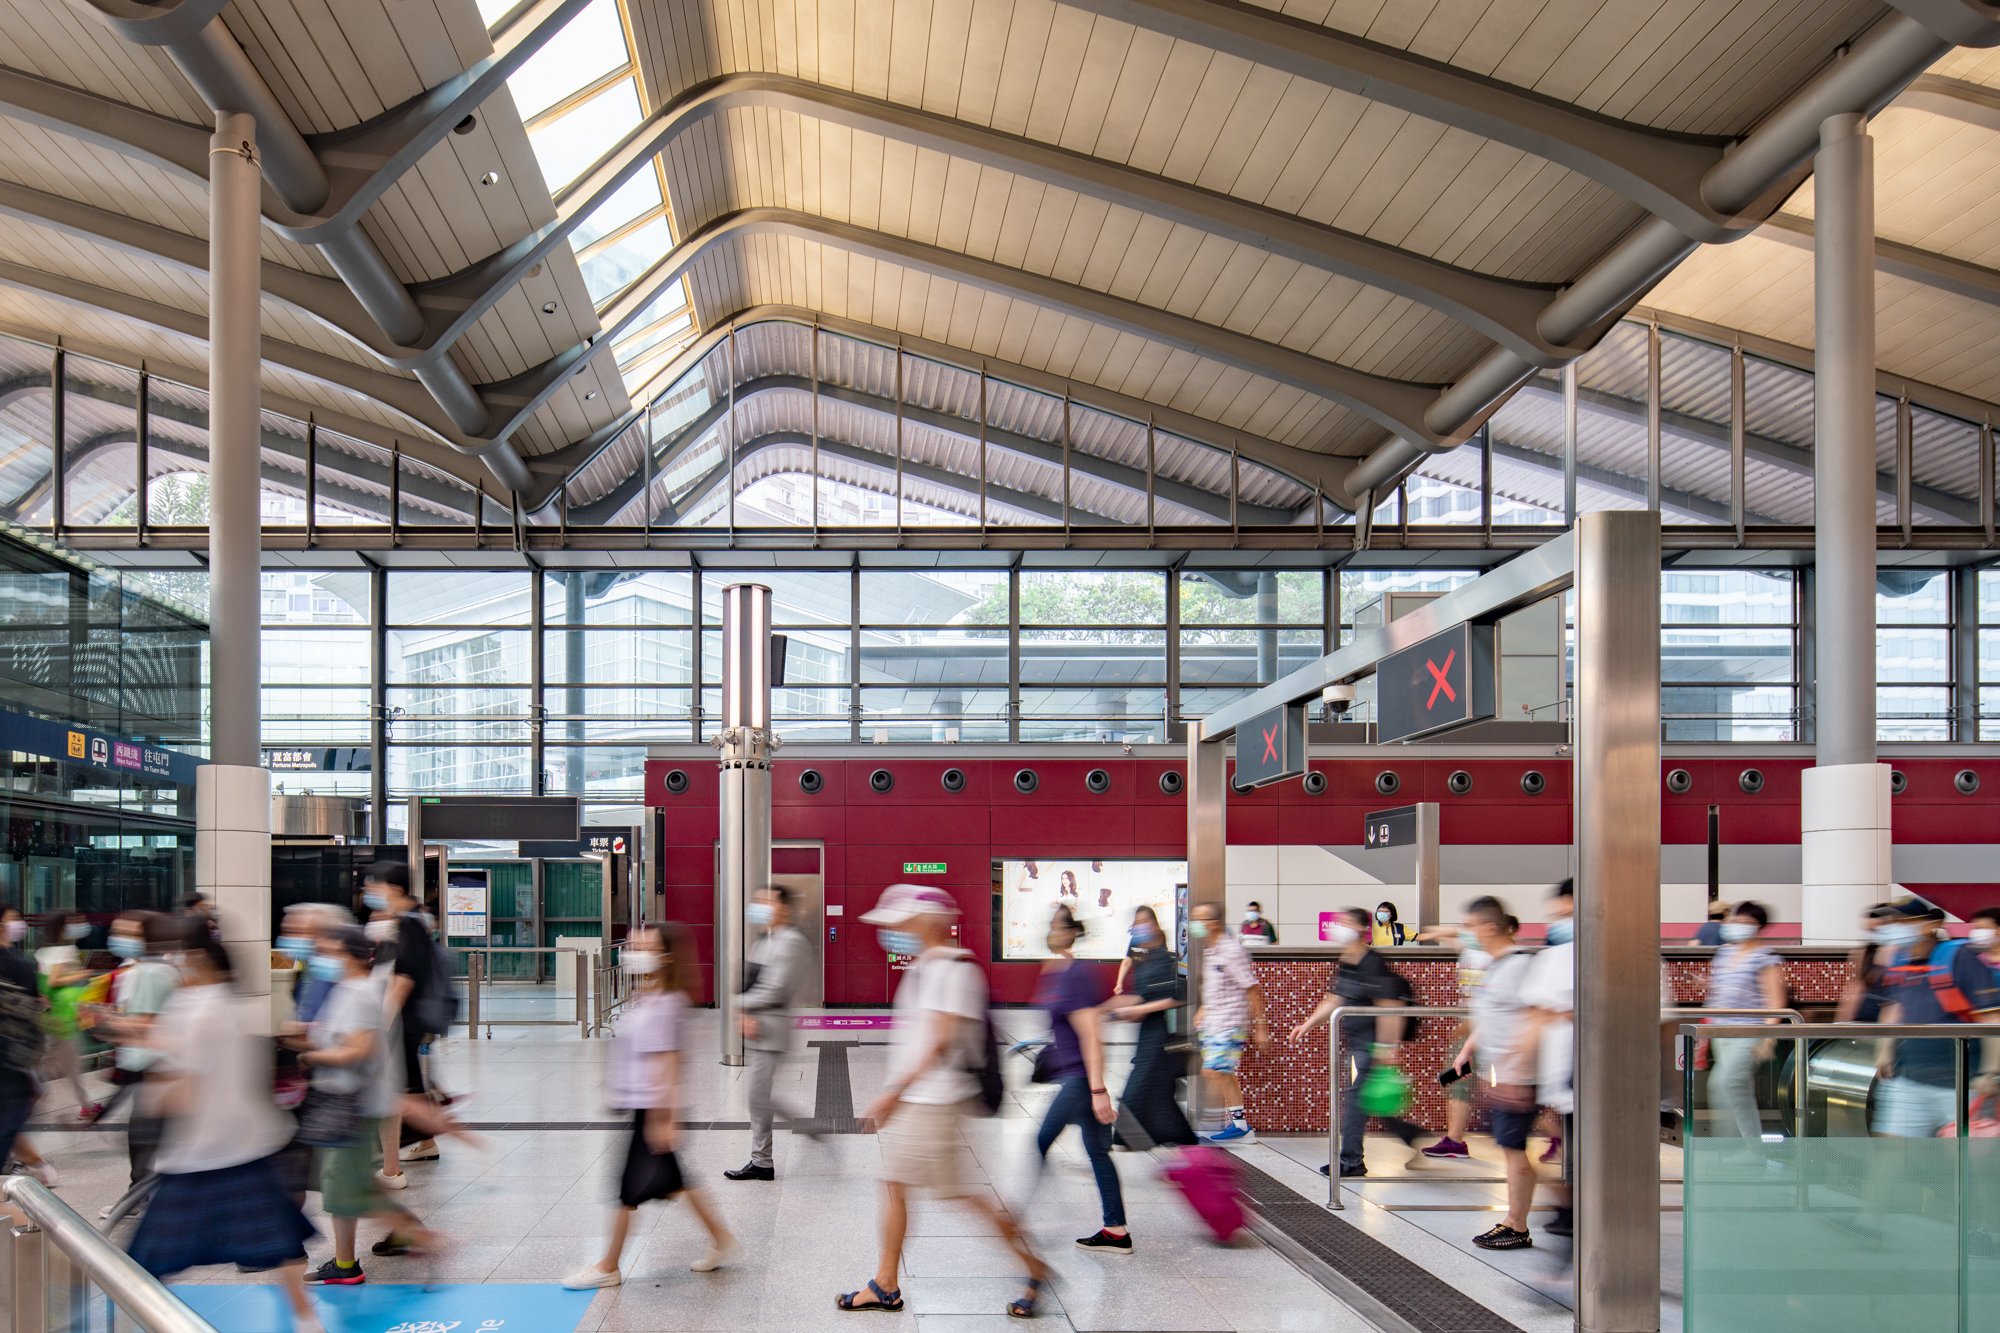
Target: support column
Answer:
pixel 746 744
pixel 1617 788
pixel 232 791
pixel 1844 838
pixel 1207 805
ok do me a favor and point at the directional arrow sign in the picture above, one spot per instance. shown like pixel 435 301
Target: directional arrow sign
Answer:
pixel 1444 682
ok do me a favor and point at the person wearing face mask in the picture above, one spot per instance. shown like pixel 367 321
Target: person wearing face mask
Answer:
pixel 141 989
pixel 14 927
pixel 777 963
pixel 646 1071
pixel 1506 1073
pixel 1230 1018
pixel 1257 928
pixel 63 980
pixel 1385 930
pixel 1472 961
pixel 398 925
pixel 1070 993
pixel 1362 977
pixel 1710 933
pixel 1550 990
pixel 1156 993
pixel 1862 998
pixel 21 1042
pixel 1742 975
pixel 1931 982
pixel 1984 938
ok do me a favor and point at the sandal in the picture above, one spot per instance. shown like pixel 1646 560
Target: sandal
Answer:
pixel 890 1301
pixel 1024 1307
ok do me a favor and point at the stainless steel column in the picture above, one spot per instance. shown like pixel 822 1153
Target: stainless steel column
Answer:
pixel 1429 874
pixel 1207 803
pixel 1844 443
pixel 1618 921
pixel 746 744
pixel 234 357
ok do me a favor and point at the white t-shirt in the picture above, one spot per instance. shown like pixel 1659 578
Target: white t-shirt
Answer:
pixel 1497 1012
pixel 354 1006
pixel 943 980
pixel 1551 985
pixel 205 1036
pixel 52 956
pixel 650 1028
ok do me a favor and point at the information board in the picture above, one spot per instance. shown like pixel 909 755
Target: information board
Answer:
pixel 1390 828
pixel 1271 747
pixel 466 904
pixel 1446 681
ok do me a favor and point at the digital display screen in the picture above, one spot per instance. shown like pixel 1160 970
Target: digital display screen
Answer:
pixel 1102 895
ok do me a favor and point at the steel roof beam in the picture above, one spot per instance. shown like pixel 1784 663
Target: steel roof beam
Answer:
pixel 1395 405
pixel 1955 99
pixel 1866 76
pixel 1657 170
pixel 1047 452
pixel 1960 22
pixel 1611 480
pixel 1926 268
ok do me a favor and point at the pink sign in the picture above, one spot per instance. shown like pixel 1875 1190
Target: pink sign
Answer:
pixel 1326 920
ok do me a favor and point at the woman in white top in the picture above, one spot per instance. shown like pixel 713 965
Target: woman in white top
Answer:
pixel 645 1080
pixel 219 1199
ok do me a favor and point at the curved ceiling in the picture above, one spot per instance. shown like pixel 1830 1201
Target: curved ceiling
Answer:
pixel 1331 238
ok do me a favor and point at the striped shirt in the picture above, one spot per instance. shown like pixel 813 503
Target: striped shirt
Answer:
pixel 1226 979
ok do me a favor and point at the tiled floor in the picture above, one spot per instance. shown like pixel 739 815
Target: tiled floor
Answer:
pixel 531 1205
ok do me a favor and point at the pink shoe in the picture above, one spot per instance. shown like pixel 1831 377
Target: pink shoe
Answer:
pixel 1448 1149
pixel 1554 1152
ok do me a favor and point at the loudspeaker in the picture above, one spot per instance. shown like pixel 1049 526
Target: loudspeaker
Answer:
pixel 952 779
pixel 1097 780
pixel 1533 783
pixel 1171 783
pixel 1679 781
pixel 677 781
pixel 881 780
pixel 810 781
pixel 1025 780
pixel 1750 780
pixel 1899 782
pixel 1387 783
pixel 1315 783
pixel 1966 781
pixel 1459 783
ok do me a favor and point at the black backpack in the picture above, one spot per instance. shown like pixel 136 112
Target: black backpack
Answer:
pixel 435 1008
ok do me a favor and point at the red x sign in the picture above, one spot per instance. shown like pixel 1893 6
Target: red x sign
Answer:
pixel 1438 680
pixel 1271 744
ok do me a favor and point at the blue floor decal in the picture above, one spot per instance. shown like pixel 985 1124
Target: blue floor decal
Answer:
pixel 395 1308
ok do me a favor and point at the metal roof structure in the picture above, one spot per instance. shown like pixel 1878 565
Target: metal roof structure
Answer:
pixel 1267 260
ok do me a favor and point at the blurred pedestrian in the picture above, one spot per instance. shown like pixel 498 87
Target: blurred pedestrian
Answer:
pixel 13 929
pixel 386 892
pixel 142 989
pixel 1231 1017
pixel 219 1200
pixel 1742 975
pixel 1550 1037
pixel 1863 996
pixel 1710 933
pixel 1506 1075
pixel 1362 977
pixel 777 963
pixel 1931 984
pixel 1150 974
pixel 933 1081
pixel 64 978
pixel 1070 993
pixel 646 1075
pixel 21 1040
pixel 347 1053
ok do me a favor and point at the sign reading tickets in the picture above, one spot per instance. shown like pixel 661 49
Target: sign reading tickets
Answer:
pixel 1447 681
pixel 1271 747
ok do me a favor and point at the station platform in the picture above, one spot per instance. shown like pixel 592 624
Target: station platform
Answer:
pixel 531 1204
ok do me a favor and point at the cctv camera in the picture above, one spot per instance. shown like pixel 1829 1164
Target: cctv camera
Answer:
pixel 1337 699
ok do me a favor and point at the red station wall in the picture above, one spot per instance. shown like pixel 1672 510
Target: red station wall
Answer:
pixel 869 835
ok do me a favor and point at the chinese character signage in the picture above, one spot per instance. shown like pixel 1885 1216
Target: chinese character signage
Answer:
pixel 39 736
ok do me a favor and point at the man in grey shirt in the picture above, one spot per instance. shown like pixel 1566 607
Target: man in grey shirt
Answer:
pixel 777 961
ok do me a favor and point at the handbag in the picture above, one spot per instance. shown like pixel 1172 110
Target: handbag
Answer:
pixel 329 1119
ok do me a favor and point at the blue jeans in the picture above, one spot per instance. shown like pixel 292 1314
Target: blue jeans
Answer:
pixel 1072 1107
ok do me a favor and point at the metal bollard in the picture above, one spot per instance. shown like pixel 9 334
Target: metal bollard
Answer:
pixel 475 973
pixel 26 1310
pixel 582 972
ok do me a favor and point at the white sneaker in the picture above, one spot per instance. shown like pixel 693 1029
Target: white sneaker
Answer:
pixel 416 1152
pixel 43 1172
pixel 399 1181
pixel 591 1278
pixel 726 1253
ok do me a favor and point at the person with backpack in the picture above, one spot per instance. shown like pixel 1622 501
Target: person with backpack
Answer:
pixel 1932 981
pixel 411 1002
pixel 21 1042
pixel 1070 994
pixel 938 1073
pixel 1362 977
pixel 1150 977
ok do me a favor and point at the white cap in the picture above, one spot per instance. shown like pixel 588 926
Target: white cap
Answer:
pixel 900 902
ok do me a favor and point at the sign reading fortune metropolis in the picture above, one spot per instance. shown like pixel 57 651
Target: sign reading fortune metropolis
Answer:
pixel 1445 682
pixel 1271 747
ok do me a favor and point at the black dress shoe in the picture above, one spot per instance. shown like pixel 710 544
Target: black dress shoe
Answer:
pixel 751 1171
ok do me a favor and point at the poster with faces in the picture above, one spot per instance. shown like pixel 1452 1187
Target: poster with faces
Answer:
pixel 1101 894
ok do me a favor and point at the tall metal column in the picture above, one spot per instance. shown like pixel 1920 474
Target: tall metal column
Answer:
pixel 1618 921
pixel 1207 844
pixel 234 355
pixel 1844 843
pixel 746 744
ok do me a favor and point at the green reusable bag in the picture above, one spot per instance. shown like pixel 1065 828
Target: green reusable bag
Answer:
pixel 1385 1092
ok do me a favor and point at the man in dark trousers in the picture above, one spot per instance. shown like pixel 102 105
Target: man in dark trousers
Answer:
pixel 386 889
pixel 1362 978
pixel 777 963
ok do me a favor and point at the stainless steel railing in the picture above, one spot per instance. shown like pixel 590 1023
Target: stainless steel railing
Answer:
pixel 1333 1098
pixel 479 988
pixel 54 1267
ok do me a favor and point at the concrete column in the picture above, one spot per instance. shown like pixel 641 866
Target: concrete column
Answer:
pixel 746 744
pixel 234 354
pixel 232 864
pixel 1844 839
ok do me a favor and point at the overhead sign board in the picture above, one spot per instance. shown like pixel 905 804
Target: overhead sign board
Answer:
pixel 1390 828
pixel 1447 681
pixel 22 733
pixel 1271 747
pixel 594 842
pixel 498 818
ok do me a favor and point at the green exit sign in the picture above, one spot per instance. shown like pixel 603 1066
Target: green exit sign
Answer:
pixel 923 867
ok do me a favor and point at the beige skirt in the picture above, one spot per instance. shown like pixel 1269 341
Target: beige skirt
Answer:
pixel 923 1148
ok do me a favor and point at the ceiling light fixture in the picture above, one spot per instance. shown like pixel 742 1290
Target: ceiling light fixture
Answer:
pixel 548 307
pixel 490 178
pixel 466 126
pixel 589 396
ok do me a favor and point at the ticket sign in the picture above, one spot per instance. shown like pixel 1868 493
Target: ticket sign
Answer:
pixel 1390 828
pixel 1271 747
pixel 1446 681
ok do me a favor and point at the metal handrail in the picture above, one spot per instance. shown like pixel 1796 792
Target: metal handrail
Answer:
pixel 476 956
pixel 128 1286
pixel 1376 1011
